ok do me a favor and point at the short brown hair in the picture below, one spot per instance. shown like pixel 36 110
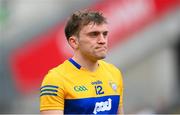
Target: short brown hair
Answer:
pixel 81 18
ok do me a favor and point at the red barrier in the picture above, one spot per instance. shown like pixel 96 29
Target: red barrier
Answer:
pixel 31 61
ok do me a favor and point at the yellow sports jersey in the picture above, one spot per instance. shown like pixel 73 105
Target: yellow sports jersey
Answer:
pixel 75 90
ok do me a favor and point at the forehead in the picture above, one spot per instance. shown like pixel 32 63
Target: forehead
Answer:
pixel 94 27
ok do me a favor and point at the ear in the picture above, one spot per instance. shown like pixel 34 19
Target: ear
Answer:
pixel 73 42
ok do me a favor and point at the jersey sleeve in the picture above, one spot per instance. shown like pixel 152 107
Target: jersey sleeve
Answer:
pixel 52 92
pixel 121 85
pixel 121 90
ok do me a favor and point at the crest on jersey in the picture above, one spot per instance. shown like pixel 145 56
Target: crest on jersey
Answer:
pixel 113 85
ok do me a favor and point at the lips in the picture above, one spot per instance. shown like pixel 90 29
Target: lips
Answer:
pixel 101 48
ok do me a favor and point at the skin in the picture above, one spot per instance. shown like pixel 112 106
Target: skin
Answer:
pixel 89 47
pixel 52 112
pixel 120 111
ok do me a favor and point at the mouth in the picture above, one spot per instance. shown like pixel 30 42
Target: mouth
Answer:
pixel 101 47
pixel 104 48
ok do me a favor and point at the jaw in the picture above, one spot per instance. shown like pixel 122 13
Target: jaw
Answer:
pixel 100 55
pixel 93 55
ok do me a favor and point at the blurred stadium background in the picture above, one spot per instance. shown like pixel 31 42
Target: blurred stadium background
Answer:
pixel 144 44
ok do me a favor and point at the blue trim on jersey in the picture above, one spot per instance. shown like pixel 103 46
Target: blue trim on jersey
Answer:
pixel 51 90
pixel 93 105
pixel 75 63
pixel 49 86
pixel 51 94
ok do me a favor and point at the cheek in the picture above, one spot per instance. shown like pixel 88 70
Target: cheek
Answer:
pixel 87 44
pixel 87 48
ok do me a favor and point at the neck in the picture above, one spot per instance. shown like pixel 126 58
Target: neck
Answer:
pixel 86 63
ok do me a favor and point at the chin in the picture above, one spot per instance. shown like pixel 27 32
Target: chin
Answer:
pixel 101 57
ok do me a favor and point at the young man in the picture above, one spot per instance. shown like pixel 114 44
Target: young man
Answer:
pixel 84 84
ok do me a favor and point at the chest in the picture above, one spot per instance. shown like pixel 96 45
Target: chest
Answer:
pixel 88 85
pixel 92 93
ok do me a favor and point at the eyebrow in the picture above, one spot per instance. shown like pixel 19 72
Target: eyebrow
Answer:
pixel 97 32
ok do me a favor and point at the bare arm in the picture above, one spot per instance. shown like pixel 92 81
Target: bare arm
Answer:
pixel 120 111
pixel 52 112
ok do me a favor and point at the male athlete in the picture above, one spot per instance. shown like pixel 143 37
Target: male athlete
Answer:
pixel 84 84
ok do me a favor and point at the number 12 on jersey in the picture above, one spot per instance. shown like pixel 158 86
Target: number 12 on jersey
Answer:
pixel 99 90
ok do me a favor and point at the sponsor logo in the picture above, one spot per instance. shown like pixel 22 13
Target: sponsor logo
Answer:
pixel 80 88
pixel 96 82
pixel 103 106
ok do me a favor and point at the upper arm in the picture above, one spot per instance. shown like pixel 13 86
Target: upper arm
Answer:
pixel 52 93
pixel 120 110
pixel 121 92
pixel 119 79
pixel 52 112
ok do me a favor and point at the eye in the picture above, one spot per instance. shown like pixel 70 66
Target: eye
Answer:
pixel 94 34
pixel 105 33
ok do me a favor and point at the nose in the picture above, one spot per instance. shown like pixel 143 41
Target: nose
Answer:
pixel 102 39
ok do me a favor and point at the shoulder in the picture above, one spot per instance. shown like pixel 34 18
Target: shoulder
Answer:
pixel 108 65
pixel 56 74
pixel 60 70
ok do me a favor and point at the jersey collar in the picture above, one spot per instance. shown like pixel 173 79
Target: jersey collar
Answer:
pixel 75 63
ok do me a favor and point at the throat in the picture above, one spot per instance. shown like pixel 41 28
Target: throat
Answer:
pixel 87 64
pixel 91 66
